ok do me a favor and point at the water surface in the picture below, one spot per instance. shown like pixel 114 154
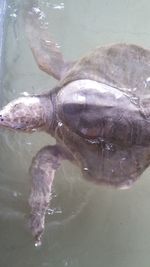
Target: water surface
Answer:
pixel 87 225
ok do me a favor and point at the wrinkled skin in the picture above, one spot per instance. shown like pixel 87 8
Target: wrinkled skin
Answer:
pixel 99 115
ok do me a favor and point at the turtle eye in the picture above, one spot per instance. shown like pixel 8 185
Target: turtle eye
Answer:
pixel 1 118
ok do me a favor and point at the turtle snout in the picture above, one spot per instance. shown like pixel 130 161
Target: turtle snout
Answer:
pixel 4 119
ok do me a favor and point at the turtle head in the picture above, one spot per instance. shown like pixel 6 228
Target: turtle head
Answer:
pixel 27 113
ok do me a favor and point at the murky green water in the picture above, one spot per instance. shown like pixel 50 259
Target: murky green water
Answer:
pixel 88 225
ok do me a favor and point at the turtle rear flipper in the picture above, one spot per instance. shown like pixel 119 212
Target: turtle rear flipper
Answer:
pixel 45 50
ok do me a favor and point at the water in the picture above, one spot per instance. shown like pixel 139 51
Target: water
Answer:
pixel 86 225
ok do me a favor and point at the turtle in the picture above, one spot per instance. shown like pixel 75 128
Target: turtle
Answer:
pixel 98 113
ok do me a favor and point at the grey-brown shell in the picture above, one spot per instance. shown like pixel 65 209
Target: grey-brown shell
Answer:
pixel 120 155
pixel 126 67
pixel 124 119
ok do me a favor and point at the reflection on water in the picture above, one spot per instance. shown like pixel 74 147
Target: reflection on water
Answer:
pixel 86 225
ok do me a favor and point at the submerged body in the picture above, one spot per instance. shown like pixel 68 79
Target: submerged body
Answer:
pixel 99 114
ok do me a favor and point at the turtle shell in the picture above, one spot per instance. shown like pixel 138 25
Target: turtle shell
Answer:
pixel 124 66
pixel 106 95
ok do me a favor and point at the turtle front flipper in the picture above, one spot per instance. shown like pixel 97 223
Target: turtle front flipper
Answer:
pixel 45 50
pixel 43 168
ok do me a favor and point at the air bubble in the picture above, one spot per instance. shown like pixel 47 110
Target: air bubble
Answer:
pixel 13 15
pixel 29 143
pixel 54 211
pixel 36 10
pixel 61 6
pixel 50 211
pixel 16 194
pixel 38 243
pixel 25 93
